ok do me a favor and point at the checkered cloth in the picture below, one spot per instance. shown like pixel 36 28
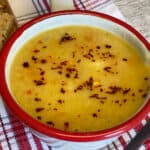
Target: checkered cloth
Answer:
pixel 13 134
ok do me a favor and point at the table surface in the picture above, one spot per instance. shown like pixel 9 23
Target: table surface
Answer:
pixel 137 14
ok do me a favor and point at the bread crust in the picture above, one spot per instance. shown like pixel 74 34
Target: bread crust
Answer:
pixel 7 22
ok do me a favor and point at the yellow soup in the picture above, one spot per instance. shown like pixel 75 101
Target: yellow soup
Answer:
pixel 79 79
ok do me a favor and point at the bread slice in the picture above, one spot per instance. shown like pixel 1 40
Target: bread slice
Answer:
pixel 7 22
pixel 6 27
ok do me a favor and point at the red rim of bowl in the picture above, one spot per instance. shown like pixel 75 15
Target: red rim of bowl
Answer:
pixel 51 132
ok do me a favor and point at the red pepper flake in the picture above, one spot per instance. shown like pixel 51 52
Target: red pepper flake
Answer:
pixel 94 115
pixel 36 51
pixel 55 109
pixel 125 100
pixel 146 78
pixel 80 87
pixel 64 63
pixel 39 117
pixel 60 101
pixel 125 91
pixel 113 89
pixel 70 69
pixel 108 46
pixel 66 124
pixel 34 58
pixel 98 110
pixel 90 82
pixel 25 64
pixel 37 99
pixel 108 69
pixel 79 60
pixel 110 55
pixel 117 101
pixel 87 56
pixel 42 78
pixel 42 73
pixel 38 82
pixel 75 90
pixel 50 123
pixel 43 61
pixel 66 38
pixel 133 94
pixel 124 59
pixel 98 47
pixel 62 90
pixel 39 109
pixel 101 90
pixel 60 72
pixel 97 96
pixel 76 75
pixel 67 75
pixel 45 46
pixel 91 55
pixel 144 95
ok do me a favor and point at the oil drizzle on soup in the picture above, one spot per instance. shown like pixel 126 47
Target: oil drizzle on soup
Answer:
pixel 79 79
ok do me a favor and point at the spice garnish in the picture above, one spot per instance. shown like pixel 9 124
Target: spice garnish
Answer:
pixel 39 117
pixel 67 75
pixel 36 51
pixel 94 115
pixel 79 60
pixel 39 82
pixel 66 38
pixel 125 91
pixel 146 78
pixel 108 46
pixel 98 47
pixel 60 101
pixel 108 69
pixel 43 61
pixel 64 63
pixel 34 58
pixel 25 64
pixel 113 89
pixel 144 95
pixel 66 124
pixel 39 109
pixel 37 99
pixel 97 96
pixel 50 123
pixel 124 59
pixel 62 90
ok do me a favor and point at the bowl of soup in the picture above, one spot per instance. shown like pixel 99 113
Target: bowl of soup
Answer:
pixel 75 76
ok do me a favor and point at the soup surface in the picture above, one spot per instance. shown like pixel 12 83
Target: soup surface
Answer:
pixel 79 79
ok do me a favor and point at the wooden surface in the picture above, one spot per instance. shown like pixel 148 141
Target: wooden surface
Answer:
pixel 137 13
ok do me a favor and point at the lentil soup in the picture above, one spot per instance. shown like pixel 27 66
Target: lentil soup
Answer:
pixel 79 79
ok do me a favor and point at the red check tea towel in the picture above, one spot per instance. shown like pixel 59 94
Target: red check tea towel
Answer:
pixel 13 134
